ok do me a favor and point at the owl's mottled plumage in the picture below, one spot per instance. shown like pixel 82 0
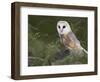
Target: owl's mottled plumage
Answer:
pixel 70 41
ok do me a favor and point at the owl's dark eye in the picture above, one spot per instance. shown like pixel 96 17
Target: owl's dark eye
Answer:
pixel 64 26
pixel 58 26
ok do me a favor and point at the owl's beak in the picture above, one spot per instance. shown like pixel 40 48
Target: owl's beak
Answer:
pixel 61 30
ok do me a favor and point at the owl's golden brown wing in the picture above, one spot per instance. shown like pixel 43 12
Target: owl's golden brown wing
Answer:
pixel 71 41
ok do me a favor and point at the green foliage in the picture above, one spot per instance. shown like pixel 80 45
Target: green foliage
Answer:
pixel 44 47
pixel 72 59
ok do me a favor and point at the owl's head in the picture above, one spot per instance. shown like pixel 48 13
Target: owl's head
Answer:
pixel 63 27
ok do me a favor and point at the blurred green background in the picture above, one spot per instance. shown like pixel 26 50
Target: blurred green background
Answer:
pixel 44 47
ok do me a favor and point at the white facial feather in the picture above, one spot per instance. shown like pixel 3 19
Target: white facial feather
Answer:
pixel 63 27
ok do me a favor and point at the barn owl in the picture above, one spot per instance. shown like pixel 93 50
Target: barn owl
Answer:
pixel 67 37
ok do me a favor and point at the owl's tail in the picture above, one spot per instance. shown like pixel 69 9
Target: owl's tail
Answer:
pixel 84 50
